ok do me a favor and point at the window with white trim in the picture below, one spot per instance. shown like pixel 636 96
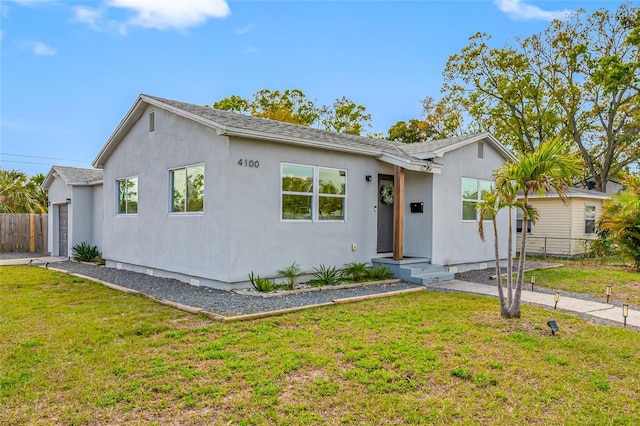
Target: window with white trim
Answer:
pixel 472 192
pixel 127 195
pixel 519 220
pixel 312 193
pixel 187 189
pixel 589 219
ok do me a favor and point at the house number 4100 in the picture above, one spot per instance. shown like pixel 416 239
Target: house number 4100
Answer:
pixel 248 163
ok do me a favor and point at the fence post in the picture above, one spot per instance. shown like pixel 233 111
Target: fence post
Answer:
pixel 32 232
pixel 545 248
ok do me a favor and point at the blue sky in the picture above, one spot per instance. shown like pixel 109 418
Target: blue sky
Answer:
pixel 70 70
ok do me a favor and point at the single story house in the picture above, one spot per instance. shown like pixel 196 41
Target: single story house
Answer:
pixel 563 228
pixel 209 196
pixel 75 208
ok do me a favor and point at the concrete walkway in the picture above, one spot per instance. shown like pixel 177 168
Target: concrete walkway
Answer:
pixel 34 260
pixel 567 304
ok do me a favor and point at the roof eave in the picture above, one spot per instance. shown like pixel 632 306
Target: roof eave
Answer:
pixel 413 165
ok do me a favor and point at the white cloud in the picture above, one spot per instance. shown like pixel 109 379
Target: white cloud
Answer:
pixel 41 49
pixel 519 11
pixel 87 16
pixel 178 14
pixel 244 30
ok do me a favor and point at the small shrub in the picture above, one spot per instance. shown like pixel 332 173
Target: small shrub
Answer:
pixel 326 275
pixel 379 273
pixel 84 252
pixel 262 285
pixel 355 271
pixel 291 274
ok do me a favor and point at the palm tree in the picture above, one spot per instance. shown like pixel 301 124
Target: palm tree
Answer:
pixel 19 194
pixel 549 168
pixel 621 220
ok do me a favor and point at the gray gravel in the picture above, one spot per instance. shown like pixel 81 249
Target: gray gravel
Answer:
pixel 218 301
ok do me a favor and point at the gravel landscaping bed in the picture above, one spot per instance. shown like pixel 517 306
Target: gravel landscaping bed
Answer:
pixel 219 301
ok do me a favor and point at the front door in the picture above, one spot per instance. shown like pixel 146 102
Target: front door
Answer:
pixel 385 213
pixel 63 230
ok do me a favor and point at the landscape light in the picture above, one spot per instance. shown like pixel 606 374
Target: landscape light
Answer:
pixel 625 313
pixel 556 299
pixel 553 326
pixel 533 280
pixel 608 292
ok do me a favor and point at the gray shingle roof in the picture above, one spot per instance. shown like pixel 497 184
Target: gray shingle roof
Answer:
pixel 78 175
pixel 235 120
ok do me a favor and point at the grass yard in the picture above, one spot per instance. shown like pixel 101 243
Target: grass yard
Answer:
pixel 75 352
pixel 591 277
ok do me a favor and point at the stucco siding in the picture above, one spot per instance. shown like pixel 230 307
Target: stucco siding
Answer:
pixel 189 243
pixel 57 194
pixel 456 242
pixel 97 216
pixel 81 216
pixel 418 232
pixel 263 243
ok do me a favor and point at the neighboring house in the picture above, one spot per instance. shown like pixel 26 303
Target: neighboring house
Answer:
pixel 589 183
pixel 208 196
pixel 563 229
pixel 75 208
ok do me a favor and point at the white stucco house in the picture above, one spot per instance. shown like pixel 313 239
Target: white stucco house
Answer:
pixel 75 208
pixel 208 196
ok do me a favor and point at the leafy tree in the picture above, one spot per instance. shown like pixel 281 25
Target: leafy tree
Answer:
pixel 21 194
pixel 620 220
pixel 579 79
pixel 346 117
pixel 549 168
pixel 441 120
pixel 293 106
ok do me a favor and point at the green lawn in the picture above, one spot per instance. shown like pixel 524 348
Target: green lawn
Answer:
pixel 591 277
pixel 75 352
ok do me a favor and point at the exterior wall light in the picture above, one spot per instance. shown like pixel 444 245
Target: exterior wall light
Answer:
pixel 553 326
pixel 608 292
pixel 533 280
pixel 556 299
pixel 625 313
pixel 68 200
pixel 367 178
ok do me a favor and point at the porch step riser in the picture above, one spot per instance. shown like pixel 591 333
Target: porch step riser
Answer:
pixel 423 273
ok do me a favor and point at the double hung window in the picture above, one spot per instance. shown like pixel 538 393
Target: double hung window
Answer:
pixel 311 193
pixel 589 219
pixel 472 192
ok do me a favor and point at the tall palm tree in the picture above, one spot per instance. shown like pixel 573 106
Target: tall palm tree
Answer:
pixel 19 194
pixel 549 168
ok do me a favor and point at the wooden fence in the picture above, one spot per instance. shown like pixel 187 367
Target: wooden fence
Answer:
pixel 23 232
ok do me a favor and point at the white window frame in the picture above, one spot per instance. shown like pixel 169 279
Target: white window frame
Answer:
pixel 462 199
pixel 315 194
pixel 170 191
pixel 595 210
pixel 520 217
pixel 126 179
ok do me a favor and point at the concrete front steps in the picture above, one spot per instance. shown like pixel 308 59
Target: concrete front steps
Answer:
pixel 417 270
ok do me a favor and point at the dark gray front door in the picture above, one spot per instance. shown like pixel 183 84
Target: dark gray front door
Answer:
pixel 385 217
pixel 63 226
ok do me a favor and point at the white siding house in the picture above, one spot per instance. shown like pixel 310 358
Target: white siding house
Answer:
pixel 564 228
pixel 209 196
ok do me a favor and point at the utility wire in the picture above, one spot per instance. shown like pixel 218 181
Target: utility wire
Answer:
pixel 42 158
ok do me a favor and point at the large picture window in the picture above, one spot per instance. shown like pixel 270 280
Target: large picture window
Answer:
pixel 311 193
pixel 472 192
pixel 520 220
pixel 187 189
pixel 127 193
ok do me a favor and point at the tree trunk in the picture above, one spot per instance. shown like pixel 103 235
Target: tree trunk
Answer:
pixel 503 306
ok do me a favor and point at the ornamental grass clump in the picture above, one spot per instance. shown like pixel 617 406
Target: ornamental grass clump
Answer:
pixel 326 275
pixel 378 273
pixel 355 271
pixel 290 274
pixel 262 285
pixel 84 252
